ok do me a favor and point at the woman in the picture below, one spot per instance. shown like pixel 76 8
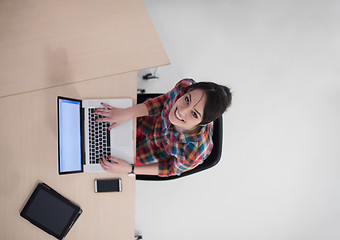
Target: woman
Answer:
pixel 174 130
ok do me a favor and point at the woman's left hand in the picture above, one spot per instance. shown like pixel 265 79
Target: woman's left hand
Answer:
pixel 116 165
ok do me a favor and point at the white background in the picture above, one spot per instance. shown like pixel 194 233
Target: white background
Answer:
pixel 279 176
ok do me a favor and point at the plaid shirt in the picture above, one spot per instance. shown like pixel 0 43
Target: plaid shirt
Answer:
pixel 158 141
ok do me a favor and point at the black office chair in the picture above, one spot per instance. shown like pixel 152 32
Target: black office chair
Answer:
pixel 211 160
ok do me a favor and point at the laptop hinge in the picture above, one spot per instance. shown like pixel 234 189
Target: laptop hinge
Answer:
pixel 82 136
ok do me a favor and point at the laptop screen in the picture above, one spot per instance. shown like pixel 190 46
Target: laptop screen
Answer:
pixel 69 135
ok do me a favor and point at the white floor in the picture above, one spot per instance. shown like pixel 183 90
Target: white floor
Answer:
pixel 279 174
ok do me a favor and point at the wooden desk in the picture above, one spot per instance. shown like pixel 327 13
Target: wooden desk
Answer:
pixel 50 43
pixel 28 155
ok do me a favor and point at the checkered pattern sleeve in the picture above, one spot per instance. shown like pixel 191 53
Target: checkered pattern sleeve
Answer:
pixel 187 159
pixel 155 105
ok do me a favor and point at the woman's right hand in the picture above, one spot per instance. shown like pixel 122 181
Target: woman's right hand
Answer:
pixel 116 116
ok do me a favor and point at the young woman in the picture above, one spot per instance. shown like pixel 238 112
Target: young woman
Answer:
pixel 174 130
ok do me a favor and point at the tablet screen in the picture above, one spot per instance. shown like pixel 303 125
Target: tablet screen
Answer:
pixel 50 211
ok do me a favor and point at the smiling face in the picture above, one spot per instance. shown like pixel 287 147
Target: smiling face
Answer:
pixel 187 112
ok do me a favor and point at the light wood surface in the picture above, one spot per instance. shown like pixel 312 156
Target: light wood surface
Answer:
pixel 50 43
pixel 28 155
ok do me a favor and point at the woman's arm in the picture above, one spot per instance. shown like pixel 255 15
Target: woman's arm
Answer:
pixel 120 115
pixel 138 110
pixel 149 169
pixel 120 166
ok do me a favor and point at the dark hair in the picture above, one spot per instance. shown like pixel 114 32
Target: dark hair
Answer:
pixel 218 99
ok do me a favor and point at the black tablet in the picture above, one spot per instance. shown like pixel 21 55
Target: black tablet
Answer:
pixel 50 211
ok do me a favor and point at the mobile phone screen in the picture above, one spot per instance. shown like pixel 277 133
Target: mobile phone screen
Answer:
pixel 108 185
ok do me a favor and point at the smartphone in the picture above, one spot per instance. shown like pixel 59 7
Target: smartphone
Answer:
pixel 108 185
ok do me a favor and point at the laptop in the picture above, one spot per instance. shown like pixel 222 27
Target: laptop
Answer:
pixel 82 141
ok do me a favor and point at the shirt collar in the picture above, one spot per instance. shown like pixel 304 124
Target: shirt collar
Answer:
pixel 193 137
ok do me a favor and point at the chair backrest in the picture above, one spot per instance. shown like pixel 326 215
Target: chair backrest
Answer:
pixel 211 160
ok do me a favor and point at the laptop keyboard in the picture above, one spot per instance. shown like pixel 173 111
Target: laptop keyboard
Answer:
pixel 99 138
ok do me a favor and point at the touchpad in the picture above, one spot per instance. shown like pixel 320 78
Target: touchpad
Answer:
pixel 122 135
